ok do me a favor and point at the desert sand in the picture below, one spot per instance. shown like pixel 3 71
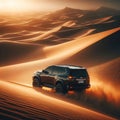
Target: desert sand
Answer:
pixel 25 103
pixel 36 43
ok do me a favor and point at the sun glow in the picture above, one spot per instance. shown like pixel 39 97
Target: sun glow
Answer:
pixel 17 5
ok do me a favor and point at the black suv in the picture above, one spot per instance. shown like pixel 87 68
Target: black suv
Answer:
pixel 62 78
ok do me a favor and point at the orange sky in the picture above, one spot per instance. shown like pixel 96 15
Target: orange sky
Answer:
pixel 47 5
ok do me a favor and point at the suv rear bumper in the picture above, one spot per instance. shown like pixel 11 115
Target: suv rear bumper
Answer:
pixel 78 86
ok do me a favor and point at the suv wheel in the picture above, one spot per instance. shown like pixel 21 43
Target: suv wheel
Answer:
pixel 36 82
pixel 60 89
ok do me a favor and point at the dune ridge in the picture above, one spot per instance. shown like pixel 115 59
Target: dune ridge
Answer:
pixel 36 102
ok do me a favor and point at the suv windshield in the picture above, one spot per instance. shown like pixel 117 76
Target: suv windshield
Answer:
pixel 78 73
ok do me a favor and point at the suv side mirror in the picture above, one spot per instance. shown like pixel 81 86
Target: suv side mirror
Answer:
pixel 46 72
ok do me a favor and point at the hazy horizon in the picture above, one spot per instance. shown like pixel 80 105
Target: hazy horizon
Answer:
pixel 15 6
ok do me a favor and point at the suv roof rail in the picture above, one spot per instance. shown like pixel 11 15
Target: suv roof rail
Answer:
pixel 70 66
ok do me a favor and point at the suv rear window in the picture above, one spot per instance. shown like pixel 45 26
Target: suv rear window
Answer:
pixel 78 72
pixel 59 71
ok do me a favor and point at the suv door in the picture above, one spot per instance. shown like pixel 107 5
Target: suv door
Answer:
pixel 54 75
pixel 60 73
pixel 49 77
pixel 45 75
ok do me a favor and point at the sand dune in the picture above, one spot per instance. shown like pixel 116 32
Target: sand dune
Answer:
pixel 80 37
pixel 68 32
pixel 78 44
pixel 62 36
pixel 22 73
pixel 48 26
pixel 54 54
pixel 20 36
pixel 39 106
pixel 48 33
pixel 43 36
pixel 69 24
pixel 16 52
pixel 106 50
pixel 98 21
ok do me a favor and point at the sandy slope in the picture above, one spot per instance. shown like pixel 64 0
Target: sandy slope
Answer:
pixel 54 55
pixel 19 102
pixel 98 53
pixel 22 73
pixel 48 33
pixel 70 48
pixel 12 52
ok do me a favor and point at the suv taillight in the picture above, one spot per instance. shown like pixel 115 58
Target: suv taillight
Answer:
pixel 70 77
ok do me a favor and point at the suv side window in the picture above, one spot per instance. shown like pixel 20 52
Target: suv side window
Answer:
pixel 60 71
pixel 54 70
pixel 49 69
pixel 57 70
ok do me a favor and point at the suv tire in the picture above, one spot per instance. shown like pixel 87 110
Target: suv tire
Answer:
pixel 60 89
pixel 36 82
